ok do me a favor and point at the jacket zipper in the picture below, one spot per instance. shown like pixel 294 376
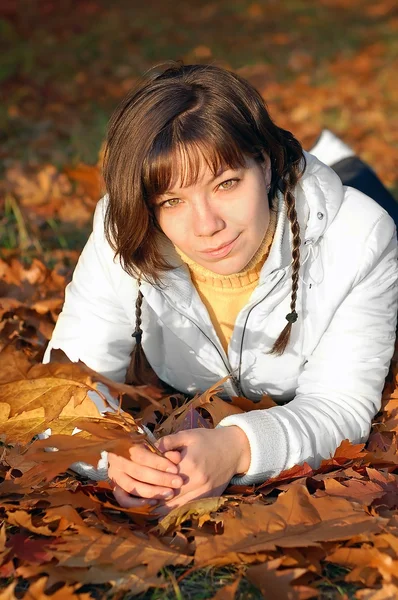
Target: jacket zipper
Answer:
pixel 247 318
pixel 244 328
pixel 227 367
pixel 235 380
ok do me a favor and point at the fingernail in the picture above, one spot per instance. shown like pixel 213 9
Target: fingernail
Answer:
pixel 176 482
pixel 171 470
pixel 167 495
pixel 152 502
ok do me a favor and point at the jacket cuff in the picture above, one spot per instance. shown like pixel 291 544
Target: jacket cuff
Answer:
pixel 268 445
pixel 100 473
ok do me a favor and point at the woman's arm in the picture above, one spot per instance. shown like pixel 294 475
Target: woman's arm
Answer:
pixel 339 391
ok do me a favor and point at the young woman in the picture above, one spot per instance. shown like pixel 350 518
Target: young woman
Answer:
pixel 221 247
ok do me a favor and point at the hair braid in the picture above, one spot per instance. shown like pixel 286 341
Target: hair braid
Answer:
pixel 139 371
pixel 138 318
pixel 283 338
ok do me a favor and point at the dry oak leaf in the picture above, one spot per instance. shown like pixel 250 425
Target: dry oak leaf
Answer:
pixel 70 449
pixel 144 510
pixel 34 397
pixel 63 516
pixel 35 188
pixel 228 592
pixel 386 540
pixel 387 592
pixel 267 577
pixel 89 177
pixel 135 581
pixel 345 452
pixel 199 509
pixel 367 564
pixel 36 591
pixel 92 547
pixel 8 592
pixel 26 387
pixel 33 551
pixel 215 406
pixel 21 428
pixel 361 491
pixel 148 392
pixel 295 519
pixel 295 472
pixel 35 287
pixel 381 458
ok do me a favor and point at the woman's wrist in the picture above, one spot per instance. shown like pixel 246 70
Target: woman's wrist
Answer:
pixel 238 446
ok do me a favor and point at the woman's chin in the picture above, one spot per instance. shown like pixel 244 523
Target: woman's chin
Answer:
pixel 226 266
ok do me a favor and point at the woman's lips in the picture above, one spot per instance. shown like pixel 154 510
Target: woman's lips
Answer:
pixel 224 251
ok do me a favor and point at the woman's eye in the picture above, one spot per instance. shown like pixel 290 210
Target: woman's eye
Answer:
pixel 170 203
pixel 227 185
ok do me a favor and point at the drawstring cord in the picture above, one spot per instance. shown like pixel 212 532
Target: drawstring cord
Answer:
pixel 314 254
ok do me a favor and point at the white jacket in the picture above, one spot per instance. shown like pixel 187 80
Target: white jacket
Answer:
pixel 327 384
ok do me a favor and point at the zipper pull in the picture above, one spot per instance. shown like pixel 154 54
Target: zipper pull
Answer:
pixel 237 384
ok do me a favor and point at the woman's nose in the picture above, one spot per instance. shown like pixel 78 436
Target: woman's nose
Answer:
pixel 206 220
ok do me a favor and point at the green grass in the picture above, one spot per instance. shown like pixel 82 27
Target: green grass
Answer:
pixel 204 583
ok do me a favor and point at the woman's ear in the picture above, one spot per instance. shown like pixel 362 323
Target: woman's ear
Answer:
pixel 266 166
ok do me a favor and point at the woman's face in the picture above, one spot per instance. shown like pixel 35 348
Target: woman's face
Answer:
pixel 219 222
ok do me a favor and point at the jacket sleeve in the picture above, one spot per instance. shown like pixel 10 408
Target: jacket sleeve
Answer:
pixel 339 391
pixel 93 326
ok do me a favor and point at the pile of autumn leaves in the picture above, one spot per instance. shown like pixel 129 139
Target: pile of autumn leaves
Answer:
pixel 60 531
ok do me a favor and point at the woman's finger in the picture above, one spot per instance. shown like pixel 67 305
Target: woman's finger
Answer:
pixel 163 508
pixel 174 456
pixel 127 501
pixel 141 489
pixel 143 456
pixel 120 466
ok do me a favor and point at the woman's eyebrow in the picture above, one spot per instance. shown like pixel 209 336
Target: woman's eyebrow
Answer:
pixel 216 176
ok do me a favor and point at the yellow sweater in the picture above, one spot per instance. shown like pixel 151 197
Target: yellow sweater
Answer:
pixel 225 295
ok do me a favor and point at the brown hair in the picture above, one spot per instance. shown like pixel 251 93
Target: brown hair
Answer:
pixel 193 111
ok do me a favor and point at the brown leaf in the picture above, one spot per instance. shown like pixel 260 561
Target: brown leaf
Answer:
pixel 23 519
pixel 346 452
pixel 148 392
pixel 295 472
pixel 134 581
pixel 27 424
pixel 200 509
pixel 92 547
pixel 192 420
pixel 367 563
pixel 33 551
pixel 267 577
pixel 216 407
pixel 228 592
pixel 89 177
pixel 68 592
pixel 387 592
pixel 70 449
pixel 296 519
pixel 360 491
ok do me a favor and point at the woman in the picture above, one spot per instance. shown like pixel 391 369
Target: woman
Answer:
pixel 227 249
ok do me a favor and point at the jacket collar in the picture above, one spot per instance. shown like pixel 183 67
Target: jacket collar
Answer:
pixel 319 195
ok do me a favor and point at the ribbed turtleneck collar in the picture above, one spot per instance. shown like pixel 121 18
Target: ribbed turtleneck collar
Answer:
pixel 247 276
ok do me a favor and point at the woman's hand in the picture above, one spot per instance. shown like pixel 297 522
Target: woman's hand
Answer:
pixel 146 475
pixel 209 459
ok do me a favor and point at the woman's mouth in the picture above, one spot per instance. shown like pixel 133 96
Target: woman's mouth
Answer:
pixel 221 251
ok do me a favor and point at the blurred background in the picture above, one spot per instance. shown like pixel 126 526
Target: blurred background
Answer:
pixel 65 65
